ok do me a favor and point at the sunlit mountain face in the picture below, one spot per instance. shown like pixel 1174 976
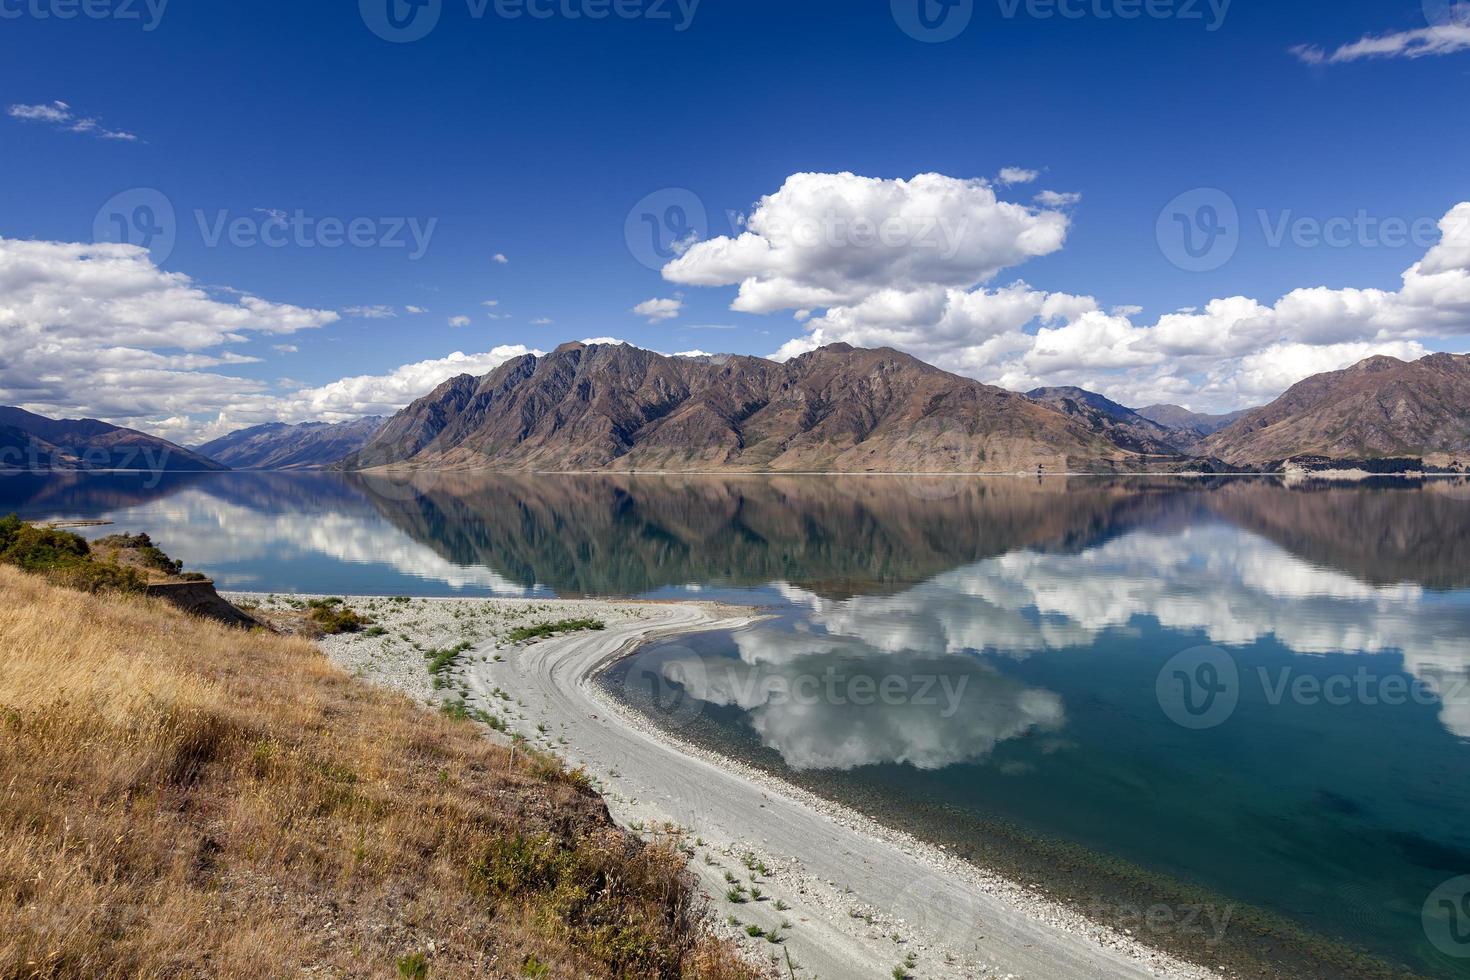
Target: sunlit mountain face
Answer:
pixel 1122 691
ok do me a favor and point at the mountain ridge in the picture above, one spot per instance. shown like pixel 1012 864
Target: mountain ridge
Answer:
pixel 837 408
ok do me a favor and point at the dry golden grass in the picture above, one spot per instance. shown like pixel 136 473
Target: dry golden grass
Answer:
pixel 181 799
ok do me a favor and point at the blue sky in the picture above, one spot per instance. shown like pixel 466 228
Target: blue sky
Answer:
pixel 534 138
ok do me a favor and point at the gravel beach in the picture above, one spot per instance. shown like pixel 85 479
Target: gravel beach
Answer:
pixel 842 895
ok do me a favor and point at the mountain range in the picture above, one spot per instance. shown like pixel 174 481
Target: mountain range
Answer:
pixel 835 409
pixel 278 446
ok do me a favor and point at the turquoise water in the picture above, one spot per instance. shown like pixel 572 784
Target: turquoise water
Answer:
pixel 1239 706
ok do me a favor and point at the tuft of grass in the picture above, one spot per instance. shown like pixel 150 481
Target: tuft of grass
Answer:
pixel 178 798
pixel 441 660
pixel 414 966
pixel 523 633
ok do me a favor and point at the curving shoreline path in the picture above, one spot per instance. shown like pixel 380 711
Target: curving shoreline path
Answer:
pixel 731 810
pixel 859 899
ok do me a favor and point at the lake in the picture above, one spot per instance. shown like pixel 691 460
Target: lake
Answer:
pixel 1232 715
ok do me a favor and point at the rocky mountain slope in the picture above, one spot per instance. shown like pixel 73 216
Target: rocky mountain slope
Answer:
pixel 278 446
pixel 838 408
pixel 1102 415
pixel 34 442
pixel 1380 407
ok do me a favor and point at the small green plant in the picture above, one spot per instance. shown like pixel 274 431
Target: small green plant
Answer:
pixel 735 896
pixel 534 968
pixel 414 966
pixel 781 905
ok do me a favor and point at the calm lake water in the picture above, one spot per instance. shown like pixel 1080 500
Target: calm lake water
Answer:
pixel 1231 715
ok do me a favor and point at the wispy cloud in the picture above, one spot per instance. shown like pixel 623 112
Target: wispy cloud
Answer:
pixel 1058 199
pixel 1447 38
pixel 459 321
pixel 1017 175
pixel 371 312
pixel 500 259
pixel 61 116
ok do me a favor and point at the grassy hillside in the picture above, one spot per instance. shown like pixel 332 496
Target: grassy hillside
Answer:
pixel 179 798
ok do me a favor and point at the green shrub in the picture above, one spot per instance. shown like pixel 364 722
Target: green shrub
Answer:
pixel 62 557
pixel 523 633
pixel 147 552
pixel 334 617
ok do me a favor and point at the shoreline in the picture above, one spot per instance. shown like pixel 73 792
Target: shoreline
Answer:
pixel 847 894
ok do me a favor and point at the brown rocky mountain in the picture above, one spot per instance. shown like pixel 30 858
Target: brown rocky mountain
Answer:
pixel 1118 423
pixel 1381 407
pixel 838 409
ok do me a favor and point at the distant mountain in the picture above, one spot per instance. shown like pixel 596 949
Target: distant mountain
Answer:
pixel 1381 407
pixel 1188 429
pixel 1121 425
pixel 278 446
pixel 838 408
pixel 34 442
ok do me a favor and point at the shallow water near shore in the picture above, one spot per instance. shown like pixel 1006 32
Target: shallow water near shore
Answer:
pixel 1234 713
